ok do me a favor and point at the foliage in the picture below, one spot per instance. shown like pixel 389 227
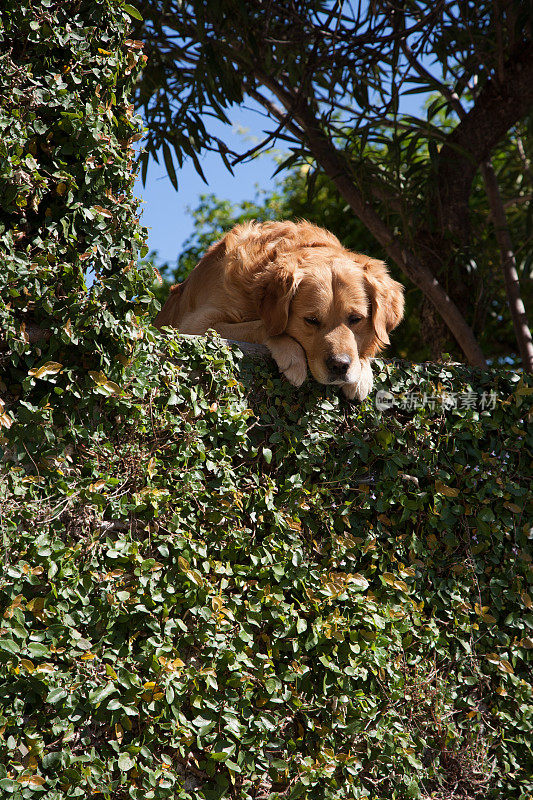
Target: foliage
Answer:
pixel 215 585
pixel 332 81
pixel 67 212
pixel 291 200
pixel 294 198
pixel 232 588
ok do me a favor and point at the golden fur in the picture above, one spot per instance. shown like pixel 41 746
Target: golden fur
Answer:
pixel 295 288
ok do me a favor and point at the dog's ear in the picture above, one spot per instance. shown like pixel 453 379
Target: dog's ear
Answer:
pixel 386 299
pixel 276 287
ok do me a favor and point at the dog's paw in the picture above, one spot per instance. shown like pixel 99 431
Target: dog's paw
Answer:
pixel 361 388
pixel 290 358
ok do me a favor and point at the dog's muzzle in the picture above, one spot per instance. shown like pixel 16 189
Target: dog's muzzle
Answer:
pixel 338 366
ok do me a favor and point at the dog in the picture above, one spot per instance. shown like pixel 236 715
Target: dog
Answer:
pixel 296 289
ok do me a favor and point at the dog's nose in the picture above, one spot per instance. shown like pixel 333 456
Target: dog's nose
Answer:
pixel 338 365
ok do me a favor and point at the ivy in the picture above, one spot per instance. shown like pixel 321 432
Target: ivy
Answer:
pixel 348 616
pixel 215 585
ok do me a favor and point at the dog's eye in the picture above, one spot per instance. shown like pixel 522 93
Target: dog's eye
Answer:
pixel 354 319
pixel 312 321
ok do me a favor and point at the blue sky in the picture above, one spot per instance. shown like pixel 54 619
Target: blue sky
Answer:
pixel 165 210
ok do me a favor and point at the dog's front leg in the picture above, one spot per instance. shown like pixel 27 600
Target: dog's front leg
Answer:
pixel 289 356
pixel 286 352
pixel 363 386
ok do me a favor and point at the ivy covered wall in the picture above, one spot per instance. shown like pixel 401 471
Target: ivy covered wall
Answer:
pixel 214 585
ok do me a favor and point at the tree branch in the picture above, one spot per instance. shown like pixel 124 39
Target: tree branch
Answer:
pixel 335 166
pixel 516 305
pixel 496 109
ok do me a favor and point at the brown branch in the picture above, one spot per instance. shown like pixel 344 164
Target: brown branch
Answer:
pixel 496 109
pixel 335 166
pixel 508 262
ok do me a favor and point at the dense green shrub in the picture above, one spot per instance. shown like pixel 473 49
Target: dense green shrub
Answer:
pixel 233 588
pixel 66 206
pixel 213 584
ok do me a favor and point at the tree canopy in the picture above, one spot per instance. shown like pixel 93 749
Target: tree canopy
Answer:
pixel 331 80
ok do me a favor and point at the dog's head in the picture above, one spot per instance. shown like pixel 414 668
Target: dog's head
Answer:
pixel 338 305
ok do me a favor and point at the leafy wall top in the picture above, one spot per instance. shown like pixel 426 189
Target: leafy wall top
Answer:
pixel 66 129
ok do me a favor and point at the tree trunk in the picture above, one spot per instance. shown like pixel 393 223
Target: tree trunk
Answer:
pixel 508 262
pixel 335 167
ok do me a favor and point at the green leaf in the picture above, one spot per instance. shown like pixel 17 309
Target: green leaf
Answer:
pixel 167 155
pixel 55 695
pixel 132 11
pixel 125 762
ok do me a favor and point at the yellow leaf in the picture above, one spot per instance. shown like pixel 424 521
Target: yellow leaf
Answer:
pixel 36 605
pixel 183 564
pixel 32 780
pixel 398 584
pixel 513 507
pixel 392 580
pixel 395 614
pixel 216 603
pixel 88 656
pixel 98 377
pixel 526 599
pixel 61 188
pixel 501 663
pixel 103 211
pixel 112 387
pixel 119 732
pixel 16 603
pixel 5 420
pixel 27 664
pixel 49 368
pixel 447 491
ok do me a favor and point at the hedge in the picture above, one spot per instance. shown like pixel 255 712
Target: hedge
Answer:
pixel 67 213
pixel 213 584
pixel 232 588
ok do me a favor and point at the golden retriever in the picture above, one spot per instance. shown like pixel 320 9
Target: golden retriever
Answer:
pixel 296 289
